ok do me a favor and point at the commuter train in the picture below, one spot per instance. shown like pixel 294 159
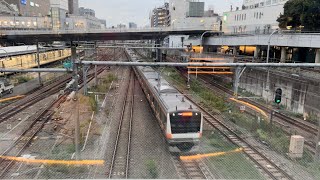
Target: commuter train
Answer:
pixel 180 120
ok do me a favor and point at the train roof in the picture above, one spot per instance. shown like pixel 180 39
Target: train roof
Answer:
pixel 172 99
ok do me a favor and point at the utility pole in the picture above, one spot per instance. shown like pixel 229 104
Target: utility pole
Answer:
pixel 76 89
pixel 317 143
pixel 85 87
pixel 238 73
pixel 271 121
pixel 38 61
pixel 95 67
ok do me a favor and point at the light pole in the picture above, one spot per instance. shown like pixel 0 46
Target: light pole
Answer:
pixel 201 38
pixel 268 56
pixel 269 42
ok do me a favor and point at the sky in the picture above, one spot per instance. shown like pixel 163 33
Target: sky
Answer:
pixel 137 11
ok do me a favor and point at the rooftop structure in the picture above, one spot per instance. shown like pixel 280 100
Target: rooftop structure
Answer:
pixel 86 12
pixel 160 16
pixel 256 16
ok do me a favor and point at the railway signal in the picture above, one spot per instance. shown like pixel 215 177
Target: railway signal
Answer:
pixel 278 95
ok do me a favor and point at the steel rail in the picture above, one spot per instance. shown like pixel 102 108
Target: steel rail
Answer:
pixel 119 131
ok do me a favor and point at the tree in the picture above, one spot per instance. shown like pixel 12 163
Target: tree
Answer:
pixel 301 13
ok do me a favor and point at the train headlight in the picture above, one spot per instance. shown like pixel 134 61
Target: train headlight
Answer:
pixel 173 114
pixel 196 114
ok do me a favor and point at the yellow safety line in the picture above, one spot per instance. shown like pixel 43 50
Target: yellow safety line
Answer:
pixel 201 67
pixel 208 59
pixel 205 72
pixel 251 106
pixel 11 98
pixel 198 156
pixel 54 162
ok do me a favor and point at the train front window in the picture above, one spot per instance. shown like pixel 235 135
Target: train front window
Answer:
pixel 185 122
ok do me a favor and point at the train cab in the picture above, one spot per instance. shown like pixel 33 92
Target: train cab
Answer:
pixel 184 130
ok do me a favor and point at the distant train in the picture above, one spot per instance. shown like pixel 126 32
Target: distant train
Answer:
pixel 180 120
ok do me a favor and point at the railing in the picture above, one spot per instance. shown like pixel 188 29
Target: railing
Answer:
pixel 13 31
pixel 250 33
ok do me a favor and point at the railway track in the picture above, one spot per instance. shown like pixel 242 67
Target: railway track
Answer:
pixel 39 120
pixel 269 167
pixel 22 104
pixel 308 127
pixel 305 126
pixel 27 136
pixel 119 167
pixel 192 169
pixel 18 106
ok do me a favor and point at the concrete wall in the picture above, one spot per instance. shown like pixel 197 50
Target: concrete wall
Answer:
pixel 298 95
pixel 286 40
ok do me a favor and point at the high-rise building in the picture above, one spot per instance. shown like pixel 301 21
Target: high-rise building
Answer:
pixel 191 14
pixel 31 8
pixel 160 16
pixel 132 25
pixel 74 7
pixel 59 10
pixel 103 23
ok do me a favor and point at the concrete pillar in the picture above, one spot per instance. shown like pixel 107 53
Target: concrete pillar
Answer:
pixel 234 49
pixel 257 52
pixel 283 54
pixel 159 51
pixel 317 60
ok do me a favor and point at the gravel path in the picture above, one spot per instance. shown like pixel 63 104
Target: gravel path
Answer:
pixel 148 143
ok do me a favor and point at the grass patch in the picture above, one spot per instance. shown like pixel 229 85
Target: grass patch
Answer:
pixel 235 166
pixel 174 76
pixel 209 98
pixel 313 118
pixel 230 166
pixel 63 152
pixel 23 79
pixel 152 169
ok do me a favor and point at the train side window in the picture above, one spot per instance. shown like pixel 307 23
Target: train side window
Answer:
pixel 163 117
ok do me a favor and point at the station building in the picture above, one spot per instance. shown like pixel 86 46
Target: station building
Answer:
pixel 30 8
pixel 255 16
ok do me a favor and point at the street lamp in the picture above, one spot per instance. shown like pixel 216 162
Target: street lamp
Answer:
pixel 268 55
pixel 269 41
pixel 201 39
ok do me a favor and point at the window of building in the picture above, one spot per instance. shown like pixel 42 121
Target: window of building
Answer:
pixel 268 2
